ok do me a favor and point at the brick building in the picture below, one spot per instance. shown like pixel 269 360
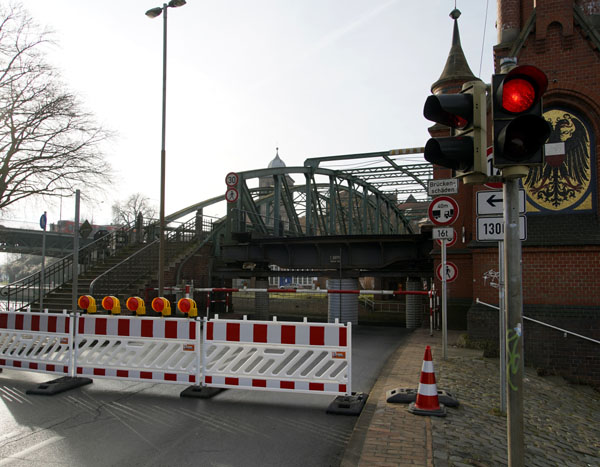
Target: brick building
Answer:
pixel 561 255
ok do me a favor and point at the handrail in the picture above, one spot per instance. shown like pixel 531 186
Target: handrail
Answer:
pixel 120 264
pixel 544 324
pixel 190 255
pixel 143 262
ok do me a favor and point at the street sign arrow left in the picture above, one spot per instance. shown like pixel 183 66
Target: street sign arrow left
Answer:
pixel 491 202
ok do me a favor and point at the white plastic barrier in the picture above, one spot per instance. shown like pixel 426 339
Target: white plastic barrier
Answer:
pixel 36 342
pixel 141 349
pixel 277 356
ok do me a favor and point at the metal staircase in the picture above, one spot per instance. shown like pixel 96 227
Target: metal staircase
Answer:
pixel 121 263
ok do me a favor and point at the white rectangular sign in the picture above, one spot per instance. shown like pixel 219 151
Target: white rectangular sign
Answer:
pixel 491 229
pixel 442 233
pixel 490 202
pixel 446 186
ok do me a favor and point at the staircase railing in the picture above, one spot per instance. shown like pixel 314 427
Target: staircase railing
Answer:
pixel 25 292
pixel 143 263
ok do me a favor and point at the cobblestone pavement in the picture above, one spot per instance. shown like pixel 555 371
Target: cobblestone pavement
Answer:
pixel 561 420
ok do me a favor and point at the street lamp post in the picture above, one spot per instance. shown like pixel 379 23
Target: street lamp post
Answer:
pixel 153 13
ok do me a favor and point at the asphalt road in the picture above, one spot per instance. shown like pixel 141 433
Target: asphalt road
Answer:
pixel 128 423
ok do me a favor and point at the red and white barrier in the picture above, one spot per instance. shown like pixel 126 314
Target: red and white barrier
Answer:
pixel 318 291
pixel 36 342
pixel 139 349
pixel 277 356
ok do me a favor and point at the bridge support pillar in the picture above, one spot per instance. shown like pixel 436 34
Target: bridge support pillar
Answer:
pixel 342 306
pixel 414 305
pixel 261 300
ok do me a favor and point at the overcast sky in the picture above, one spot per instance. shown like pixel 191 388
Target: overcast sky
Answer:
pixel 313 77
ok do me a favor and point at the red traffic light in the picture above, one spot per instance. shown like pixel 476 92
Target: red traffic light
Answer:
pixel 520 89
pixel 520 129
pixel 518 95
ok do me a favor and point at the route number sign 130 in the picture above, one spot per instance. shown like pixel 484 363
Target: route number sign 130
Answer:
pixel 491 229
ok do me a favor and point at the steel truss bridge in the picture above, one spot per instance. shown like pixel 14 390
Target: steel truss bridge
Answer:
pixel 358 213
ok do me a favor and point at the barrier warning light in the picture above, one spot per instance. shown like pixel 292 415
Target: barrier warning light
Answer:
pixel 188 306
pixel 136 304
pixel 162 305
pixel 520 130
pixel 87 303
pixel 112 304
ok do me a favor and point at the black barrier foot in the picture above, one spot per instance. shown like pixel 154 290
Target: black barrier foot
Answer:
pixel 439 412
pixel 200 392
pixel 348 405
pixel 49 388
pixel 408 395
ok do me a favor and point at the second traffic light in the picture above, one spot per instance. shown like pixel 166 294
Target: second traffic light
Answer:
pixel 466 114
pixel 520 130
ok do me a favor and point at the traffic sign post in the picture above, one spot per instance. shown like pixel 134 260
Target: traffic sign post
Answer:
pixel 443 211
pixel 43 221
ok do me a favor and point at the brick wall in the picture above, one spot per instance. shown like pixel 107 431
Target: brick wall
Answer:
pixel 546 349
pixel 561 257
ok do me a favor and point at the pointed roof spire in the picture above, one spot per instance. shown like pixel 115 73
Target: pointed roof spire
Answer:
pixel 276 162
pixel 457 71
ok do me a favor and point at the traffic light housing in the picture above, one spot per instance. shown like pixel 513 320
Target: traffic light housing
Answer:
pixel 466 114
pixel 136 304
pixel 520 130
pixel 188 306
pixel 112 304
pixel 162 305
pixel 87 303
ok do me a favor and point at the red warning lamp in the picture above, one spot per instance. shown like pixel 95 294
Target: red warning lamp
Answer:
pixel 520 131
pixel 112 304
pixel 136 304
pixel 162 305
pixel 88 303
pixel 188 306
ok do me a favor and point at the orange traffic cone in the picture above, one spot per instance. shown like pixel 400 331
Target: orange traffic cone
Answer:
pixel 427 402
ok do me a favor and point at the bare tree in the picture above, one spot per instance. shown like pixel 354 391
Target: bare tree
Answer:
pixel 126 212
pixel 48 144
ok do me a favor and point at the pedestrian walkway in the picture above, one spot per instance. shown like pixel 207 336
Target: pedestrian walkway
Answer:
pixel 560 420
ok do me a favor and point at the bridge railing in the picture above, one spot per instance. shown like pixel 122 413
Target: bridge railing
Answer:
pixel 27 291
pixel 143 263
